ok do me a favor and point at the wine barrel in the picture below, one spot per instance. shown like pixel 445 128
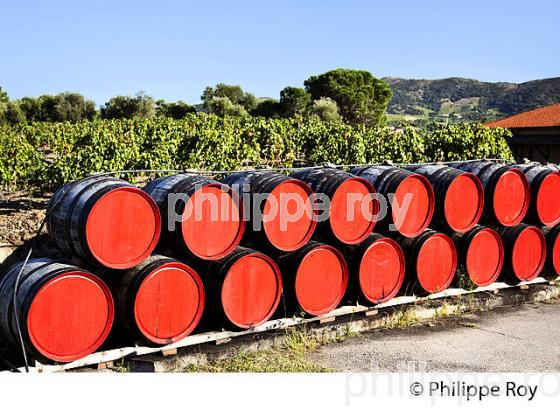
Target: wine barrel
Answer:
pixel 459 197
pixel 105 221
pixel 243 289
pixel 396 185
pixel 481 254
pixel 506 191
pixel 431 261
pixel 160 301
pixel 552 237
pixel 352 208
pixel 525 253
pixel 314 278
pixel 544 207
pixel 206 220
pixel 377 269
pixel 279 209
pixel 65 313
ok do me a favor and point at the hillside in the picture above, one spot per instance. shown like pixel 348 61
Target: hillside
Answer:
pixel 466 99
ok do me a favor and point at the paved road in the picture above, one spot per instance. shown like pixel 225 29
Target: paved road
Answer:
pixel 522 338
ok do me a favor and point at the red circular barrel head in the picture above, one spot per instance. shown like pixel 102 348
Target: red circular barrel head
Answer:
pixel 511 197
pixel 353 211
pixel 169 303
pixel 321 280
pixel 485 257
pixel 288 215
pixel 556 255
pixel 464 201
pixel 548 199
pixel 412 220
pixel 70 316
pixel 123 228
pixel 529 253
pixel 212 223
pixel 251 290
pixel 436 263
pixel 381 270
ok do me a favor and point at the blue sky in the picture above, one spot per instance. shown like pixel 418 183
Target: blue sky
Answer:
pixel 173 49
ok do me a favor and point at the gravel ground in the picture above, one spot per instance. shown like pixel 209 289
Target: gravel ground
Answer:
pixel 20 216
pixel 510 339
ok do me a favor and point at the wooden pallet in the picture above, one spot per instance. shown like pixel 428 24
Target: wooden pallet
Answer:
pixel 101 359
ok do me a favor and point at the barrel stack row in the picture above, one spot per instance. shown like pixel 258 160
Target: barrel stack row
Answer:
pixel 190 253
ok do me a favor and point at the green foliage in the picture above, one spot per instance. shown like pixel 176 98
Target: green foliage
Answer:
pixel 13 113
pixel 267 108
pixel 249 102
pixel 3 96
pixel 223 106
pixel 233 92
pixel 72 107
pixel 227 99
pixel 294 101
pixel 45 155
pixel 176 110
pixel 141 105
pixel 19 160
pixel 326 109
pixel 470 140
pixel 361 98
pixel 31 108
pixel 405 144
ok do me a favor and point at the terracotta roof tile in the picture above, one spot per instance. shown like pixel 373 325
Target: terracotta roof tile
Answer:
pixel 548 116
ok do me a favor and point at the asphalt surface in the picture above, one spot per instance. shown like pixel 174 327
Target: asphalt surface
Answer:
pixel 508 339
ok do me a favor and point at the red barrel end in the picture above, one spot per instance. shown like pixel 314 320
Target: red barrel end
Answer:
pixel 529 253
pixel 321 280
pixel 511 197
pixel 169 303
pixel 70 316
pixel 556 255
pixel 485 257
pixel 288 215
pixel 213 223
pixel 464 202
pixel 251 290
pixel 353 211
pixel 123 228
pixel 381 271
pixel 420 210
pixel 548 200
pixel 436 263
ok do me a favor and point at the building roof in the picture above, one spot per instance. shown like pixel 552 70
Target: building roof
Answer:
pixel 548 116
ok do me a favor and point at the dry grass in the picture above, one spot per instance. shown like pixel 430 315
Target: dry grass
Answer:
pixel 292 356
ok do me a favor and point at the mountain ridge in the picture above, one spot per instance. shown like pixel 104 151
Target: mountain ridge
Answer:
pixel 469 99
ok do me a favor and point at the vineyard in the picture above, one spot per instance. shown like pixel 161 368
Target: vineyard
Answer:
pixel 45 155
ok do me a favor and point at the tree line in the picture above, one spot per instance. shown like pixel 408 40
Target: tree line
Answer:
pixel 341 96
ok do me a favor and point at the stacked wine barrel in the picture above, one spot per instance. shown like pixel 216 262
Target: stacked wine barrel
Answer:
pixel 189 254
